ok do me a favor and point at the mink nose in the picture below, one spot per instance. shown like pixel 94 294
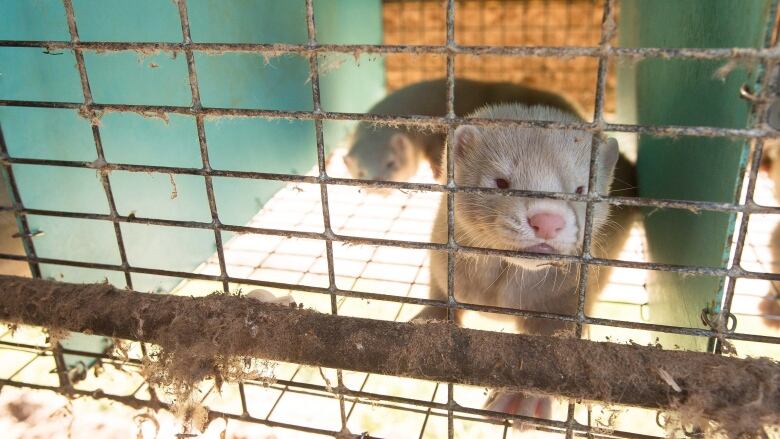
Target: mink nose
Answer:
pixel 546 225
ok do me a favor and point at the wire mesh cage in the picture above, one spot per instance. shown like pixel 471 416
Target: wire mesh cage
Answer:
pixel 198 146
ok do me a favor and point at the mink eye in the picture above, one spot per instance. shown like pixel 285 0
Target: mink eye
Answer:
pixel 502 183
pixel 390 164
pixel 580 189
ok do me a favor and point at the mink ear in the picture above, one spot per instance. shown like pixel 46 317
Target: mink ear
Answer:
pixel 465 137
pixel 401 145
pixel 608 156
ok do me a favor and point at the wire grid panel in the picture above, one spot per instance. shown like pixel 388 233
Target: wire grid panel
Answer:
pixel 217 269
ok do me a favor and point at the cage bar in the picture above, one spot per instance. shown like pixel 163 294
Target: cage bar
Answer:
pixel 286 333
pixel 739 53
pixel 658 130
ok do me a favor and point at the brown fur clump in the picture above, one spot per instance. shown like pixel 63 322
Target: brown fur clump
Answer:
pixel 211 337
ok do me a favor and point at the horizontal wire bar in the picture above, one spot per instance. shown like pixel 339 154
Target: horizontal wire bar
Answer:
pixel 691 205
pixel 418 245
pixel 414 120
pixel 739 53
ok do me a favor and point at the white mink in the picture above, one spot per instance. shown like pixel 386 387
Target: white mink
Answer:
pixel 527 159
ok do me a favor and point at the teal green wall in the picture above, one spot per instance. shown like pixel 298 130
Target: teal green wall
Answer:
pixel 687 92
pixel 233 80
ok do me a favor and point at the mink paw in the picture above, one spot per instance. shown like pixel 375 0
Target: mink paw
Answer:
pixel 520 404
pixel 268 297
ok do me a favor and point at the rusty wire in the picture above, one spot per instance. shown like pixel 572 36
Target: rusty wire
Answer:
pixel 451 243
pixel 413 120
pixel 607 31
pixel 328 234
pixel 737 53
pixel 691 205
pixel 603 53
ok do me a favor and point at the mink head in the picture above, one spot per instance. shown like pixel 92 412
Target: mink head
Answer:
pixel 534 159
pixel 382 153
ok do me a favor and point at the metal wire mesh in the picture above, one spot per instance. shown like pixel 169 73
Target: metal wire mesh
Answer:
pixel 499 23
pixel 451 48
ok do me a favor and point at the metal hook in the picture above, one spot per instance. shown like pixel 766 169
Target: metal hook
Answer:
pixel 731 320
pixel 746 93
pixel 31 234
pixel 704 317
pixel 660 419
pixel 773 112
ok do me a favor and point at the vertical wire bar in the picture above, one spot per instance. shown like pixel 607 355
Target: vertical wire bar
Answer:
pixel 570 420
pixel 21 218
pixel 404 61
pixel 204 152
pixel 760 109
pixel 100 162
pixel 101 159
pixel 323 175
pixel 770 39
pixel 504 38
pixel 61 367
pixel 731 281
pixel 450 194
pixel 598 121
pixel 482 29
pixel 450 163
pixel 242 395
pixel 428 412
pixel 608 27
